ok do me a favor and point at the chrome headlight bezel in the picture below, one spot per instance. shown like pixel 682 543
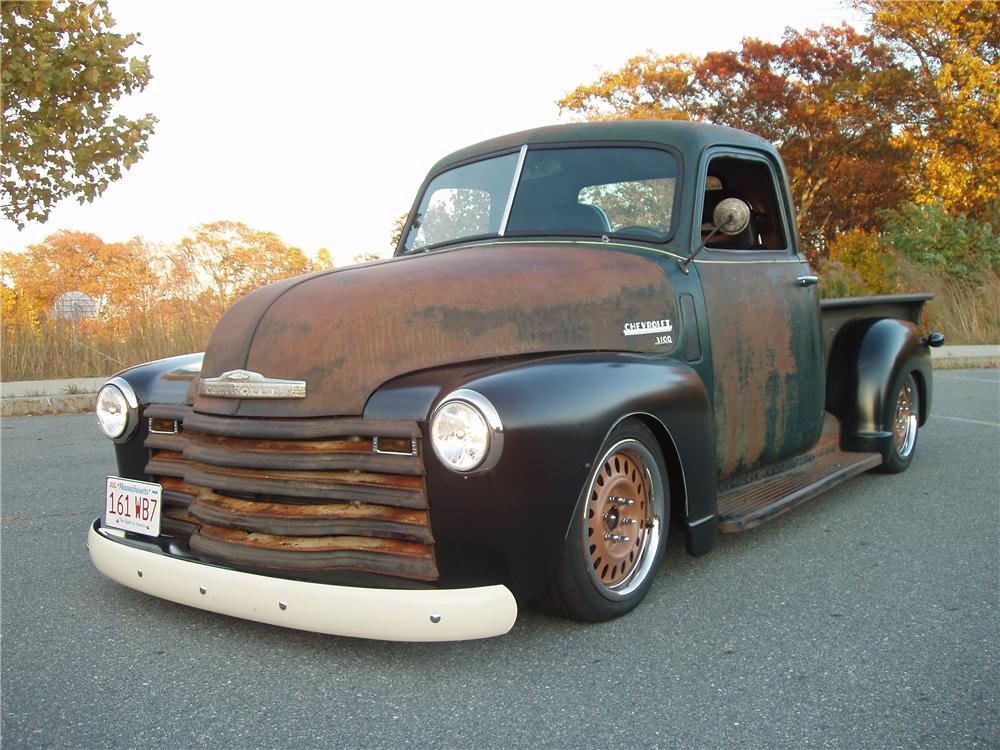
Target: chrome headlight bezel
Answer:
pixel 130 412
pixel 479 406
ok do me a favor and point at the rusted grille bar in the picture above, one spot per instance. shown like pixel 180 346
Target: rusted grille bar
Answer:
pixel 405 492
pixel 177 492
pixel 167 464
pixel 297 455
pixel 304 495
pixel 317 554
pixel 298 429
pixel 286 519
pixel 179 412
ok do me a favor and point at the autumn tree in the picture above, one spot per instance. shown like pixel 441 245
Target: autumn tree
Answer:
pixel 825 98
pixel 323 260
pixel 397 229
pixel 63 70
pixel 950 110
pixel 229 259
pixel 118 276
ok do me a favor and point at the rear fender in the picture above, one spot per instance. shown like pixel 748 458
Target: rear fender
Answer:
pixel 868 361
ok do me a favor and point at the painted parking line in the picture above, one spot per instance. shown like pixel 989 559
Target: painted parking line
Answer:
pixel 939 376
pixel 963 419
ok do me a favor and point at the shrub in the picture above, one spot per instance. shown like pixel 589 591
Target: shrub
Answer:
pixel 836 279
pixel 868 257
pixel 957 246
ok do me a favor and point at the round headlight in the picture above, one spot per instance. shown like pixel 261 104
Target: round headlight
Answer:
pixel 117 409
pixel 466 432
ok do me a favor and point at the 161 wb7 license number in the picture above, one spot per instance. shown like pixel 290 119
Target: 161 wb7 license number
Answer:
pixel 133 506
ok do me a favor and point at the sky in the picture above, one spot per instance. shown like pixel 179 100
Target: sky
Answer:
pixel 318 120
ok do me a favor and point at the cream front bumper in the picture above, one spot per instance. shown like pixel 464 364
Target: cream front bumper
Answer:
pixel 383 614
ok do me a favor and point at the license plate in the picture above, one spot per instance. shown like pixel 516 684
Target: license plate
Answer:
pixel 133 506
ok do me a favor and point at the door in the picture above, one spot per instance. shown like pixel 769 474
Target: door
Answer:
pixel 763 321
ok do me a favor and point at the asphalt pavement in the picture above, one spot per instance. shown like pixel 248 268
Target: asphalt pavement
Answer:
pixel 867 618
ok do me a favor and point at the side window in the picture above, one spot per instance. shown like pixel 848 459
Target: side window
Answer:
pixel 636 205
pixel 453 212
pixel 752 182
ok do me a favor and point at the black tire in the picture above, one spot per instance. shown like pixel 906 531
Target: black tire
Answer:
pixel 618 533
pixel 902 416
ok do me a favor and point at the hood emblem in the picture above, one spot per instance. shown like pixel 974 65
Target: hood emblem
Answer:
pixel 247 384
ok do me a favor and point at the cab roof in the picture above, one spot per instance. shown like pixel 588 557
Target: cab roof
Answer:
pixel 690 138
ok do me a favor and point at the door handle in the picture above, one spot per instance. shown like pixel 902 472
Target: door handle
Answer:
pixel 807 280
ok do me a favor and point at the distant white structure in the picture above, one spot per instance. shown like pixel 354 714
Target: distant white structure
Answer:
pixel 74 306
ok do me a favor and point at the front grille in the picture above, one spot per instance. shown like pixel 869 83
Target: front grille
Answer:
pixel 302 496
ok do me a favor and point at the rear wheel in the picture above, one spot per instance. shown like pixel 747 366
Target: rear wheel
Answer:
pixel 618 532
pixel 905 415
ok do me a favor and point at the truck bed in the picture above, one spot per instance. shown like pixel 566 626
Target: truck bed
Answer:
pixel 837 311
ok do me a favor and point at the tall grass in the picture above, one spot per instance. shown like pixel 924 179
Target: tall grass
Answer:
pixel 52 349
pixel 967 311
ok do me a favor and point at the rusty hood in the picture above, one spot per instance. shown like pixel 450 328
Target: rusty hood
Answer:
pixel 347 331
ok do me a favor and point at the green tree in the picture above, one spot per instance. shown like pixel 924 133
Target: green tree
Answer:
pixel 927 234
pixel 63 71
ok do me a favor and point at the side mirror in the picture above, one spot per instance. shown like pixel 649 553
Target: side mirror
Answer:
pixel 731 216
pixel 936 339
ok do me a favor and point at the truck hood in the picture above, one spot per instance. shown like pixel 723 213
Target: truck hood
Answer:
pixel 347 331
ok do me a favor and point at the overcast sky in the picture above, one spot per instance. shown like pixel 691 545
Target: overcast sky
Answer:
pixel 318 120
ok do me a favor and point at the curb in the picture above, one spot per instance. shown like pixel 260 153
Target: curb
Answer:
pixel 966 356
pixel 76 403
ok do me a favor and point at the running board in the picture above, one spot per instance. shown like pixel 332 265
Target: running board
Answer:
pixel 751 504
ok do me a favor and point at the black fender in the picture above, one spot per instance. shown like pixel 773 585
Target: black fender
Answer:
pixel 163 381
pixel 868 361
pixel 507 525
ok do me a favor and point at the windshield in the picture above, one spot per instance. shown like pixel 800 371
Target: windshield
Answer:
pixel 582 191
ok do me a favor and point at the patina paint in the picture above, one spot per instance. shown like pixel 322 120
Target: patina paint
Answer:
pixel 348 331
pixel 768 389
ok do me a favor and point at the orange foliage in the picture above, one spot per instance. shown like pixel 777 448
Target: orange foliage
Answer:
pixel 152 301
pixel 824 98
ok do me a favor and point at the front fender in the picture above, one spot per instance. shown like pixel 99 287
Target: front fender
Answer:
pixel 868 361
pixel 163 381
pixel 507 525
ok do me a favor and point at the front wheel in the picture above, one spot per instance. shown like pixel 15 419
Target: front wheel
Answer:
pixel 905 415
pixel 618 533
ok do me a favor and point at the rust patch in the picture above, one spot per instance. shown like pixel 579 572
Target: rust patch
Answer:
pixel 767 363
pixel 347 332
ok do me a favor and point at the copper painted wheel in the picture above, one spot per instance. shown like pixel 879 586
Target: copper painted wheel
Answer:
pixel 622 519
pixel 904 427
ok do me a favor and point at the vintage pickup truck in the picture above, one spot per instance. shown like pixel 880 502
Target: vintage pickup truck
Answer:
pixel 589 333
